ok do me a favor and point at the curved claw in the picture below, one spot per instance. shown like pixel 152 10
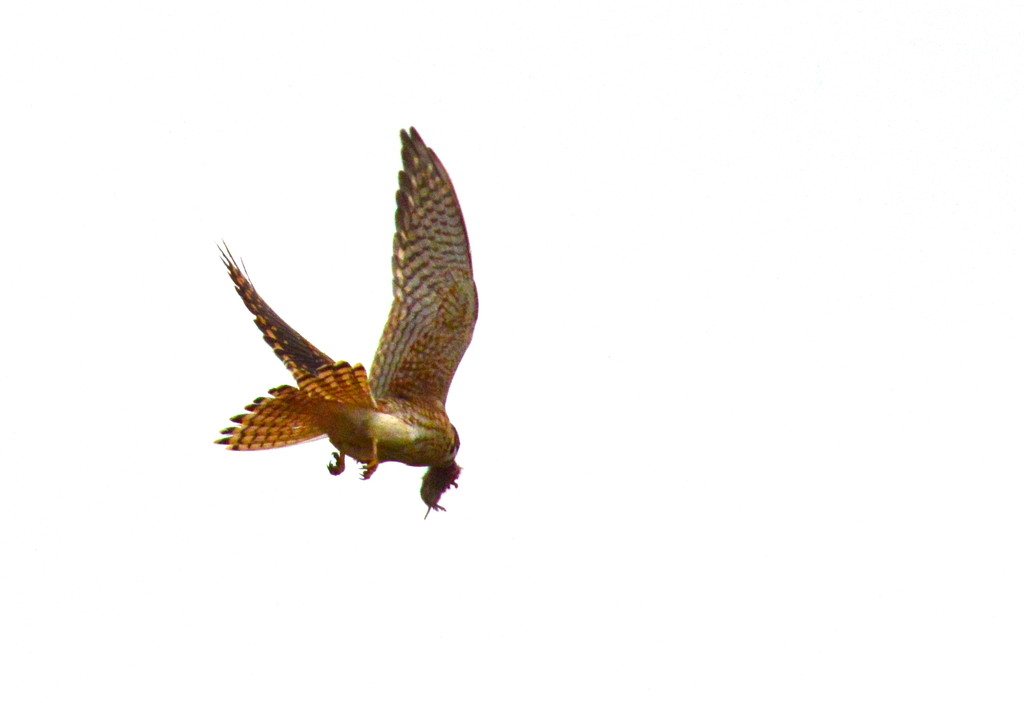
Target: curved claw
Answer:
pixel 373 463
pixel 337 465
pixel 369 469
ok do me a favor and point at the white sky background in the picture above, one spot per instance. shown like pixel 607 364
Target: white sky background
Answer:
pixel 741 419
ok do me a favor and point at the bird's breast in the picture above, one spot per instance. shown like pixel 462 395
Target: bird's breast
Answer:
pixel 411 437
pixel 392 430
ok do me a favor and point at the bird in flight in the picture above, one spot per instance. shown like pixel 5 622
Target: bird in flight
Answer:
pixel 398 412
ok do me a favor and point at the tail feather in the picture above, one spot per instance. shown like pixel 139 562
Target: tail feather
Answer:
pixel 286 418
pixel 339 383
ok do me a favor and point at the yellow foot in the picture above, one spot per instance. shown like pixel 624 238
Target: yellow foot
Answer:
pixel 373 463
pixel 337 465
pixel 370 468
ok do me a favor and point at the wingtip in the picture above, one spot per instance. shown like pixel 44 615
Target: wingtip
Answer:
pixel 412 140
pixel 225 252
pixel 233 265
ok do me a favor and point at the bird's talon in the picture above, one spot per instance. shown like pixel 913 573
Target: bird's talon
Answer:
pixel 337 465
pixel 369 469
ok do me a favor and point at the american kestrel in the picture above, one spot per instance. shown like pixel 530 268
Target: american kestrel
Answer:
pixel 398 413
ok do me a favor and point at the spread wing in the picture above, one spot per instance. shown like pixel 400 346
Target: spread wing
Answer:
pixel 298 355
pixel 435 306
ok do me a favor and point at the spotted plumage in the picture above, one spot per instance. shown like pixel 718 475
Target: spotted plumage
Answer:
pixel 398 412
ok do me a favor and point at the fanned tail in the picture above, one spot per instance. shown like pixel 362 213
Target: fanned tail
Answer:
pixel 340 382
pixel 290 415
pixel 286 418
